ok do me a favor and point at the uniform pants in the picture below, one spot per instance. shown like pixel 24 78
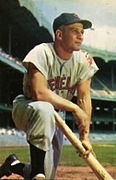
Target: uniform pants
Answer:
pixel 37 119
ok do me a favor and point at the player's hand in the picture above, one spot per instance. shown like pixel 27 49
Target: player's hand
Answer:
pixel 87 145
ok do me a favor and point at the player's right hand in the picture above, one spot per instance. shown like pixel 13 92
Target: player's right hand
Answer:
pixel 88 147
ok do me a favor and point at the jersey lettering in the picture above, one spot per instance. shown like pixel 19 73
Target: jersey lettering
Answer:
pixel 72 89
pixel 61 83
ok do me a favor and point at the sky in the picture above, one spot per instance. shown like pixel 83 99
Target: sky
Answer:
pixel 102 13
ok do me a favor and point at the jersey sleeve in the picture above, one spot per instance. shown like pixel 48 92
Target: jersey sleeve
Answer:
pixel 37 57
pixel 88 68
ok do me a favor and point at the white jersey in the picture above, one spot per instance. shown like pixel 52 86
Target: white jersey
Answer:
pixel 63 76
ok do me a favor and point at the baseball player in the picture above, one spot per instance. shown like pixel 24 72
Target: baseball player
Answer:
pixel 55 71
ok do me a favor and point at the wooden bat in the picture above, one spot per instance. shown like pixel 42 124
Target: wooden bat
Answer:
pixel 97 168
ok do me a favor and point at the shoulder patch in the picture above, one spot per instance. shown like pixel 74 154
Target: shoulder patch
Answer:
pixel 90 60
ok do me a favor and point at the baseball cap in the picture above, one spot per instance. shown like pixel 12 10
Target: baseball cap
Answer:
pixel 70 18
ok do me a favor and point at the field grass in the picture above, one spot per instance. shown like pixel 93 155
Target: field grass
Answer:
pixel 106 154
pixel 21 152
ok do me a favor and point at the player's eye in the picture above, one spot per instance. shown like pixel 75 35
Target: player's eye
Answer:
pixel 82 32
pixel 77 31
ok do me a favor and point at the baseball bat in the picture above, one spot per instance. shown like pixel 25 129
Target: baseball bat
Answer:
pixel 97 168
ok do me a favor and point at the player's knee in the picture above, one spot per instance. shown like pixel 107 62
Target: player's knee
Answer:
pixel 43 108
pixel 46 108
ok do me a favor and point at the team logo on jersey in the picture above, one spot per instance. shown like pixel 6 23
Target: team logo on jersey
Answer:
pixel 90 60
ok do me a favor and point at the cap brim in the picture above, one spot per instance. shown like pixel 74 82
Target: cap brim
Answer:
pixel 86 24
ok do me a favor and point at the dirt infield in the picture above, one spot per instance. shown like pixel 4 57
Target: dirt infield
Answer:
pixel 73 173
pixel 80 173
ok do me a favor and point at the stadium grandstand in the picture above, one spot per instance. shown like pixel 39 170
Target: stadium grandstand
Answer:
pixel 19 32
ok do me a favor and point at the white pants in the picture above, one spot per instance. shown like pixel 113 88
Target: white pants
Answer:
pixel 37 119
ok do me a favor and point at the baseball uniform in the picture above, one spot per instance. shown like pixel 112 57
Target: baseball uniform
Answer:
pixel 36 118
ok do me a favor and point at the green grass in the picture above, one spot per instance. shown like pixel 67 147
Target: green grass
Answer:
pixel 21 152
pixel 106 154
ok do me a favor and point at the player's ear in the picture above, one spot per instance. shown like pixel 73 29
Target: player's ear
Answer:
pixel 59 34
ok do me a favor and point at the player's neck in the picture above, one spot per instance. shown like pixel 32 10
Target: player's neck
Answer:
pixel 62 53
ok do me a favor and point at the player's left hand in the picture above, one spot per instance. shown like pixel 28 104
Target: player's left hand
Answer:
pixel 87 145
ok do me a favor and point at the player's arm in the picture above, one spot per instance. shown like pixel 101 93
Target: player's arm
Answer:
pixel 40 91
pixel 84 102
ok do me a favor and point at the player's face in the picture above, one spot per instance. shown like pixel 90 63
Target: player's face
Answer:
pixel 72 37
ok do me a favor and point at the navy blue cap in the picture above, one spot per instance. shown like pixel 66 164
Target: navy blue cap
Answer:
pixel 70 18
